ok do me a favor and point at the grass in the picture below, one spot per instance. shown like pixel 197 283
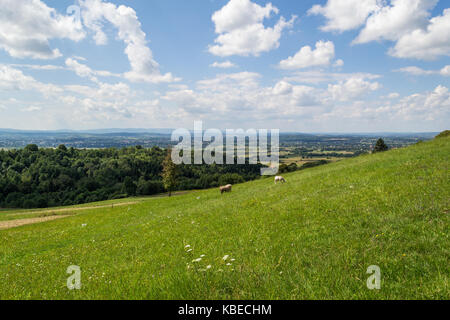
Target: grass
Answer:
pixel 16 214
pixel 312 238
pixel 301 161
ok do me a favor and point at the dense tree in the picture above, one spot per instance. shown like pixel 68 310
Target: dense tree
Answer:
pixel 129 187
pixel 37 177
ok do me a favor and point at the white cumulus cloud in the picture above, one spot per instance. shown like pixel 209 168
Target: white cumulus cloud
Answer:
pixel 27 26
pixel 445 71
pixel 416 71
pixel 352 88
pixel 322 55
pixel 392 21
pixel 84 71
pixel 144 68
pixel 405 22
pixel 12 79
pixel 344 15
pixel 223 65
pixel 426 44
pixel 241 31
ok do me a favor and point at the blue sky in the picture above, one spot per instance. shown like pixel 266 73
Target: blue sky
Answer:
pixel 310 66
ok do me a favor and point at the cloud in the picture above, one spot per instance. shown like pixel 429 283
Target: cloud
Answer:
pixel 344 15
pixel 27 26
pixel 32 109
pixel 80 69
pixel 241 96
pixel 338 63
pixel 392 22
pixel 143 66
pixel 445 71
pixel 308 57
pixel 223 65
pixel 419 111
pixel 429 106
pixel 241 30
pixel 283 88
pixel 100 101
pixel 12 79
pixel 85 72
pixel 426 44
pixel 394 95
pixel 317 76
pixel 222 82
pixel 406 22
pixel 47 67
pixel 351 89
pixel 236 100
pixel 416 71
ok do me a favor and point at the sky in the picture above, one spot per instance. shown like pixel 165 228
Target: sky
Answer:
pixel 305 66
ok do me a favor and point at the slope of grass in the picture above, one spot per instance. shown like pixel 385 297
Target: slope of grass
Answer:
pixel 312 238
pixel 16 214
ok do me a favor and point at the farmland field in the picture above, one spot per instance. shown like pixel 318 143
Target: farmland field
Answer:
pixel 311 238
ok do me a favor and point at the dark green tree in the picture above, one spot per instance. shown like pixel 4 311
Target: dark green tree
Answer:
pixel 129 187
pixel 32 148
pixel 62 147
pixel 380 146
pixel 169 173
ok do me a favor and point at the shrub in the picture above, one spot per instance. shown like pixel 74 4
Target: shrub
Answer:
pixel 313 164
pixel 443 134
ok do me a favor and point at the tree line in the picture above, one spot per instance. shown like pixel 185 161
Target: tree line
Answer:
pixel 42 177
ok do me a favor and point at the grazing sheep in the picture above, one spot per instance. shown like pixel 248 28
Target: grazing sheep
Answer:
pixel 226 188
pixel 279 179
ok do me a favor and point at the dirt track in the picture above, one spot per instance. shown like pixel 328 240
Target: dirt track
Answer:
pixel 71 209
pixel 22 222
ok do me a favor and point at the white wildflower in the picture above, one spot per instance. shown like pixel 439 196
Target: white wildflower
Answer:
pixel 225 258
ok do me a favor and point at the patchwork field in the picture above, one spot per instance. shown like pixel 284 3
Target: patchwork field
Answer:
pixel 311 238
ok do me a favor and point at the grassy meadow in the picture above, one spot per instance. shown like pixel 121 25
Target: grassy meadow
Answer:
pixel 311 238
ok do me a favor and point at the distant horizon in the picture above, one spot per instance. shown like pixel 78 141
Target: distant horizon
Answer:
pixel 169 130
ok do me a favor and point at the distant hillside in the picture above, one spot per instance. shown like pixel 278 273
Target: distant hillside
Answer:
pixel 119 138
pixel 94 131
pixel 311 238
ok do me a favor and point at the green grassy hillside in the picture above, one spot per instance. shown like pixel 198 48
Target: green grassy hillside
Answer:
pixel 312 238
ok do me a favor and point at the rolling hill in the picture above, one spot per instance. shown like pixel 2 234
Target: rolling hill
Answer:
pixel 312 238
